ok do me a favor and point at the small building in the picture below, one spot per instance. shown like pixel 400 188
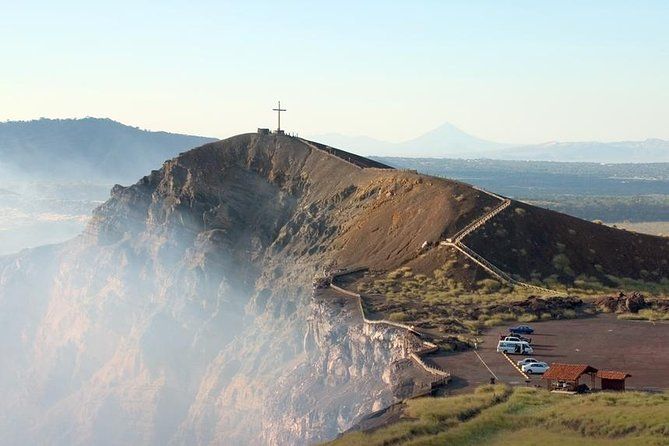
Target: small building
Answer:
pixel 263 131
pixel 567 377
pixel 612 379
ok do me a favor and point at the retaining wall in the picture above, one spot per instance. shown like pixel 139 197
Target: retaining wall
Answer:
pixel 428 348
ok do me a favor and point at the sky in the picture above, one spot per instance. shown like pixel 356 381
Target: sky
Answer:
pixel 512 71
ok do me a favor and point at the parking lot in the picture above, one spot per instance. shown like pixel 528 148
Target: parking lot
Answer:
pixel 604 342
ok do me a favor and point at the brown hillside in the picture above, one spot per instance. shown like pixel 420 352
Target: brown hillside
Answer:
pixel 189 303
pixel 529 241
pixel 310 198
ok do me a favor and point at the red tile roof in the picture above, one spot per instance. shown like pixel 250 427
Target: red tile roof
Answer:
pixel 567 372
pixel 612 374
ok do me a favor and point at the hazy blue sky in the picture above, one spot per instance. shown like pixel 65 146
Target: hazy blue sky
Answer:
pixel 523 71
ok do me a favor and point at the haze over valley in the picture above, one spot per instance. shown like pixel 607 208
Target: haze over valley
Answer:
pixel 188 298
pixel 447 141
pixel 197 250
pixel 55 172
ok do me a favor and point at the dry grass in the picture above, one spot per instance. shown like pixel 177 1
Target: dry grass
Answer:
pixel 440 302
pixel 527 416
pixel 646 227
pixel 429 416
pixel 647 314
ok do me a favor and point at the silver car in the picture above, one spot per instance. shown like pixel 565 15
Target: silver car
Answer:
pixel 526 361
pixel 535 367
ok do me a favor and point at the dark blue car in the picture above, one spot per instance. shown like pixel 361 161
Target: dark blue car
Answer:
pixel 522 329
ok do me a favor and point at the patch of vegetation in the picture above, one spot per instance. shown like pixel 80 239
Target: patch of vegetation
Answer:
pixel 429 416
pixel 660 228
pixel 445 307
pixel 588 285
pixel 498 415
pixel 398 317
pixel 659 288
pixel 647 314
pixel 442 304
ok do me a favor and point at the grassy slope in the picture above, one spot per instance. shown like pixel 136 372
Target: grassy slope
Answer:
pixel 645 227
pixel 535 244
pixel 445 302
pixel 499 415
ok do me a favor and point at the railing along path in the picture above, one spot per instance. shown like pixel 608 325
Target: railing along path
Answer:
pixel 456 242
pixel 428 347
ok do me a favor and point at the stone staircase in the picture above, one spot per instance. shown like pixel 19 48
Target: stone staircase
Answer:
pixel 456 242
pixel 480 221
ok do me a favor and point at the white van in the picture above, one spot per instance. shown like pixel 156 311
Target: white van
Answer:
pixel 514 347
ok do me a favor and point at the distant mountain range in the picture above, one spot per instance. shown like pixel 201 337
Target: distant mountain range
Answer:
pixel 648 151
pixel 108 151
pixel 86 149
pixel 447 141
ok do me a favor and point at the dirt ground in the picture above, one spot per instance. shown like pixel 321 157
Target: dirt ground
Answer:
pixel 604 342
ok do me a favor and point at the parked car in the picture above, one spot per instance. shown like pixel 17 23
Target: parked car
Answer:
pixel 521 329
pixel 535 367
pixel 526 361
pixel 514 347
pixel 517 338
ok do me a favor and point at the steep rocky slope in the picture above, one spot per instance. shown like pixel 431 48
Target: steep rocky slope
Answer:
pixel 184 314
pixel 531 242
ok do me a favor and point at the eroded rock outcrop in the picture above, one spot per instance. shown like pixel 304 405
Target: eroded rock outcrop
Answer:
pixel 622 303
pixel 184 314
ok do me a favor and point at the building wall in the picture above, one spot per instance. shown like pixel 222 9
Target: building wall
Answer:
pixel 613 384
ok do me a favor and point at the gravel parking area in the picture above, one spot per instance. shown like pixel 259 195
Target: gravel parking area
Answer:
pixel 604 342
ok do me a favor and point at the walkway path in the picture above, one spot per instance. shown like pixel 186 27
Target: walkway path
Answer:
pixel 351 158
pixel 443 376
pixel 457 242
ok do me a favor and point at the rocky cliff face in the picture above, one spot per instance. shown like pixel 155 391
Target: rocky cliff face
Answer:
pixel 184 314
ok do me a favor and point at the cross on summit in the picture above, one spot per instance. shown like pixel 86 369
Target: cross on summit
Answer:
pixel 279 110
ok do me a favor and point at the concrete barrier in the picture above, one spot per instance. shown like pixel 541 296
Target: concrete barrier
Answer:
pixel 428 347
pixel 428 368
pixel 372 321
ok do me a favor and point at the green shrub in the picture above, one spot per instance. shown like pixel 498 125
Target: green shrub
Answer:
pixel 562 263
pixel 398 317
pixel 489 285
pixel 501 233
pixel 493 321
pixel 569 313
pixel 394 274
pixel 527 318
pixel 630 316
